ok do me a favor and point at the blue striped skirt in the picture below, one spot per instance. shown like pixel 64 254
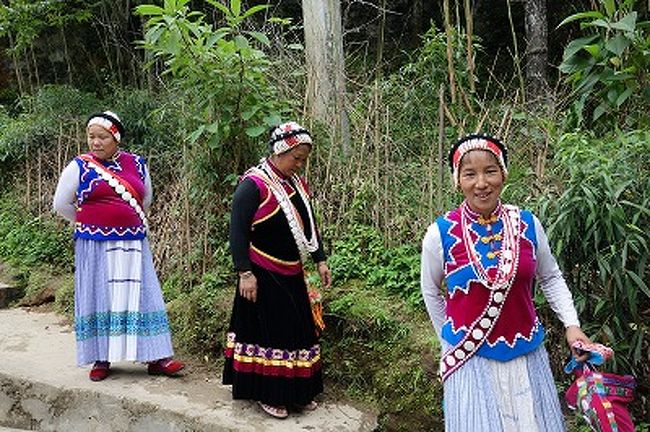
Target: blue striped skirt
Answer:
pixel 490 396
pixel 119 308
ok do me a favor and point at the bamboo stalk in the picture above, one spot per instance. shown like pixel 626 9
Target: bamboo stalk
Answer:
pixel 33 56
pixel 377 141
pixel 502 125
pixel 59 158
pixel 466 100
pixel 27 176
pixel 469 30
pixel 481 122
pixel 67 55
pixel 450 52
pixel 386 197
pixel 441 140
pixel 17 70
pixel 187 219
pixel 39 181
pixel 377 154
pixel 450 116
pixel 516 54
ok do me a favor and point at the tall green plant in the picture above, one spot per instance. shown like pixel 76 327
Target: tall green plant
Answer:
pixel 220 71
pixel 607 67
pixel 599 225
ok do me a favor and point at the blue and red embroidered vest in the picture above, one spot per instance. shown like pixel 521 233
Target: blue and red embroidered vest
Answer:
pixel 101 213
pixel 518 330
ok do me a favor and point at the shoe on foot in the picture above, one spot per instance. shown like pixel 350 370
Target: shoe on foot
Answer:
pixel 278 412
pixel 168 367
pixel 99 371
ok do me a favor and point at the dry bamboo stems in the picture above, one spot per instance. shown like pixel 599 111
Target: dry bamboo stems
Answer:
pixel 39 180
pixel 450 52
pixel 469 30
pixel 516 53
pixel 386 165
pixel 441 139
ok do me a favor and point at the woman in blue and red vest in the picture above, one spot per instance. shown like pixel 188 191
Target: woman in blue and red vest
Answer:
pixel 272 351
pixel 487 256
pixel 119 309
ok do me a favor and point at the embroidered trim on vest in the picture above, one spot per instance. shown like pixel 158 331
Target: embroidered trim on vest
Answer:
pixel 121 187
pixel 265 173
pixel 478 332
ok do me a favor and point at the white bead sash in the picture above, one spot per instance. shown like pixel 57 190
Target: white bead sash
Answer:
pixel 117 185
pixel 274 183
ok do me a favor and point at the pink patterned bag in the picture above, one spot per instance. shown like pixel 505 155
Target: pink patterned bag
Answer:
pixel 601 398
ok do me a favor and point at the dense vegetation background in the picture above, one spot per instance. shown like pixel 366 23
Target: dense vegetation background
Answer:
pixel 197 83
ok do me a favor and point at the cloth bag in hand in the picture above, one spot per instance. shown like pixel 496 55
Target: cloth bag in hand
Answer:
pixel 601 397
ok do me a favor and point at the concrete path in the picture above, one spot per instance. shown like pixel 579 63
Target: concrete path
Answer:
pixel 42 389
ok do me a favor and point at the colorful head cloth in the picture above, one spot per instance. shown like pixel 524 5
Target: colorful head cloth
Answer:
pixel 287 136
pixel 109 121
pixel 477 142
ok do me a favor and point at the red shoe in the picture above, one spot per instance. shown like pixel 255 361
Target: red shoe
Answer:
pixel 167 367
pixel 99 371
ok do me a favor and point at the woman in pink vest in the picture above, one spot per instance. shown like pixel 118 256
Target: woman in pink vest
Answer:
pixel 119 309
pixel 272 352
pixel 479 265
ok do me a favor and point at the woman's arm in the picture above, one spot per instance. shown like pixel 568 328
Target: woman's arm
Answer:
pixel 431 277
pixel 65 196
pixel 148 190
pixel 552 282
pixel 244 204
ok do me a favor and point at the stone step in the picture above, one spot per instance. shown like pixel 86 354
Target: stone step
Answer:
pixel 42 389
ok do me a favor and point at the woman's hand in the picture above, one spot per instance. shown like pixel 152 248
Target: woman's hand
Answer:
pixel 325 274
pixel 574 333
pixel 248 285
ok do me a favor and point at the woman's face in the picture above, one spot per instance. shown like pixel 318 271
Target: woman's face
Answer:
pixel 101 142
pixel 481 181
pixel 292 161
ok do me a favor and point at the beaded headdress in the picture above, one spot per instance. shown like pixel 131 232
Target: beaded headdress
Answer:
pixel 109 121
pixel 286 136
pixel 477 142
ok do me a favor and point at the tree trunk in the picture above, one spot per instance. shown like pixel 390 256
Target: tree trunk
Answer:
pixel 17 70
pixel 326 66
pixel 536 48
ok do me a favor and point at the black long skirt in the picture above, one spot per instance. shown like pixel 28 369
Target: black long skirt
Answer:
pixel 272 352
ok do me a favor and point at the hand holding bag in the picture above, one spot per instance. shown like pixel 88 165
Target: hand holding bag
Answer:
pixel 601 397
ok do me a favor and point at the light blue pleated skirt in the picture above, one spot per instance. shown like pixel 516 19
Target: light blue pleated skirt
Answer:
pixel 517 396
pixel 119 308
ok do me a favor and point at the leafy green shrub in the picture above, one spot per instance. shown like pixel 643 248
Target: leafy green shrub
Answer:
pixel 398 273
pixel 354 255
pixel 609 65
pixel 219 72
pixel 380 350
pixel 199 318
pixel 598 222
pixel 362 255
pixel 27 241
